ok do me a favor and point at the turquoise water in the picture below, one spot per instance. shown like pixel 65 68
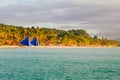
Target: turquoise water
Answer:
pixel 60 64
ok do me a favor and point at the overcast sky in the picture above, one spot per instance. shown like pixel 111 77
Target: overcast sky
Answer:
pixel 98 17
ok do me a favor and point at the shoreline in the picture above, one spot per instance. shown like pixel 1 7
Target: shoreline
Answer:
pixel 7 46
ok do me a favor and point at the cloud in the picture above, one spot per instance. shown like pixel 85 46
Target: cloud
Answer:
pixel 101 17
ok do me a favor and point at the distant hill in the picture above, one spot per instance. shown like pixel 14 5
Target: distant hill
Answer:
pixel 13 35
pixel 117 39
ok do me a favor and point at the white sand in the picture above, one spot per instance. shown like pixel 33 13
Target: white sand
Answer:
pixel 7 46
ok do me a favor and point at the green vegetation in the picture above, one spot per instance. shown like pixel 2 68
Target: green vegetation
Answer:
pixel 12 35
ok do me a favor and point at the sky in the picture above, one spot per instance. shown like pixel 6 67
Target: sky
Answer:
pixel 97 17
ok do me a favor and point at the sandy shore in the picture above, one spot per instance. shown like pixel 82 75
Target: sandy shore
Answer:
pixel 58 47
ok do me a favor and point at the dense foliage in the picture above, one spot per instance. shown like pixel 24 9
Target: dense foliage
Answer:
pixel 12 35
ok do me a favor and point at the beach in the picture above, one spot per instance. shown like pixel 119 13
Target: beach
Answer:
pixel 7 46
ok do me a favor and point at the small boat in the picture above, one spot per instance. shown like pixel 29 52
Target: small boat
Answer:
pixel 26 42
pixel 35 42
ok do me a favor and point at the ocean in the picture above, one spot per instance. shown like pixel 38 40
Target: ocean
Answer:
pixel 60 64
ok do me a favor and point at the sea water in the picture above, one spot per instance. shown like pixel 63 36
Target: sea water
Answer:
pixel 60 64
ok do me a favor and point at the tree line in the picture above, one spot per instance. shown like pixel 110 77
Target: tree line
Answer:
pixel 12 35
